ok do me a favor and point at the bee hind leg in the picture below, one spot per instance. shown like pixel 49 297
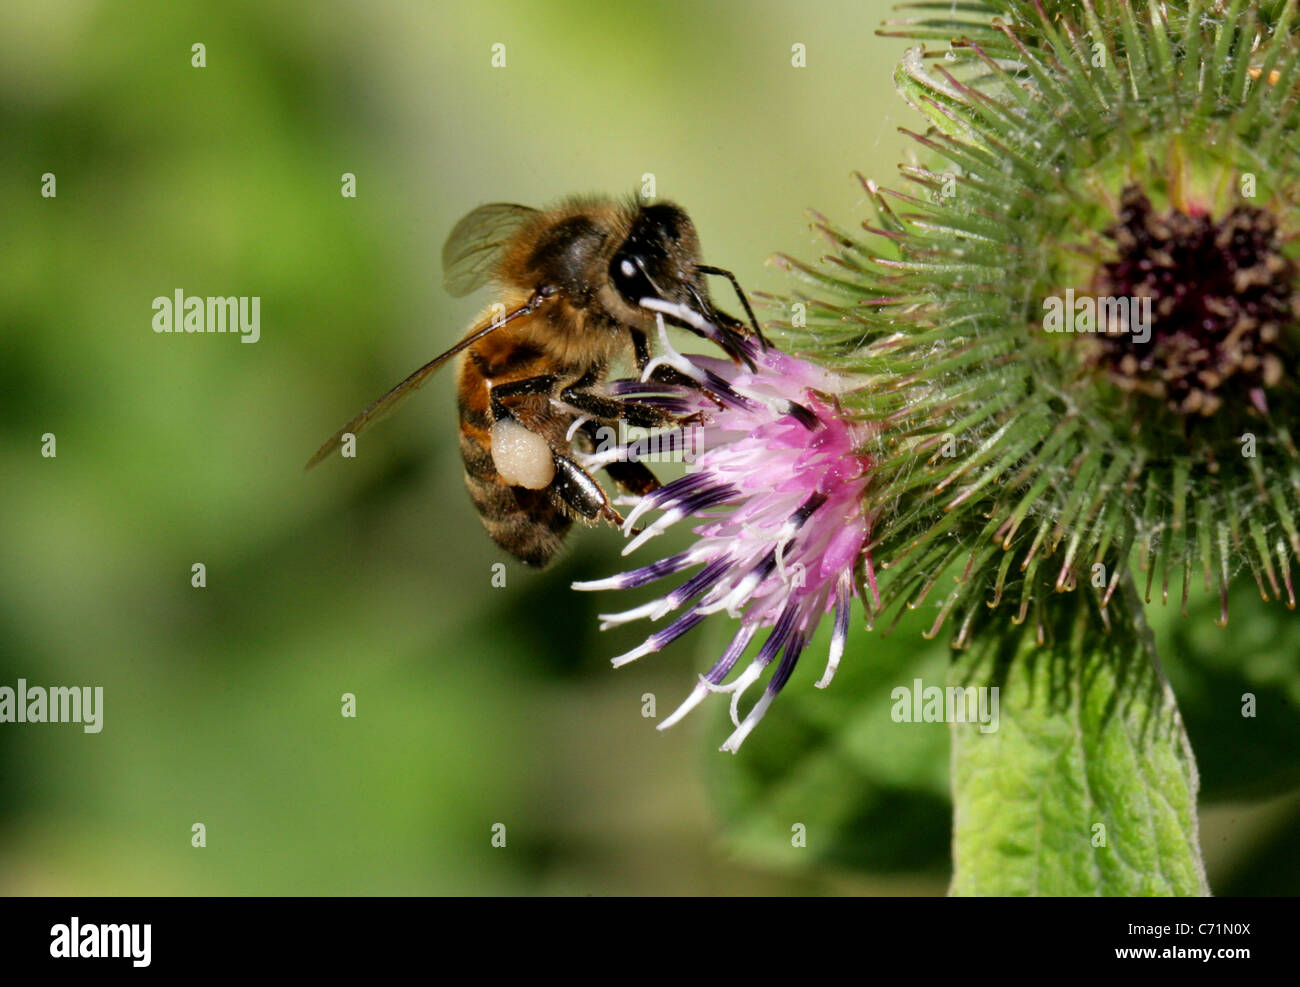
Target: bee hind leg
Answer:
pixel 578 490
pixel 572 487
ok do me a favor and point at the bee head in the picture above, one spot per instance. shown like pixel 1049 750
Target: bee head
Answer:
pixel 658 263
pixel 658 259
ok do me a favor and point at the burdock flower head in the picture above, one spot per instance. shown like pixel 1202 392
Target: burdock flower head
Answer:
pixel 1084 310
pixel 776 487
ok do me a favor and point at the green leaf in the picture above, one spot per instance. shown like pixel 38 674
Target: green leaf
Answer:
pixel 1088 785
pixel 871 794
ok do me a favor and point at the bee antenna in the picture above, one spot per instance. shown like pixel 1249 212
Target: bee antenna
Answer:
pixel 641 265
pixel 723 273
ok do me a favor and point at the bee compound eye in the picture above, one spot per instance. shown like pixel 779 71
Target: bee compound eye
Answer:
pixel 629 274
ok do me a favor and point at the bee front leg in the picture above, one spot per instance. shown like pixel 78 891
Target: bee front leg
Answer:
pixel 640 349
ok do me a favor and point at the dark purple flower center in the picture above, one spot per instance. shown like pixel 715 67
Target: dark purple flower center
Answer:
pixel 1222 298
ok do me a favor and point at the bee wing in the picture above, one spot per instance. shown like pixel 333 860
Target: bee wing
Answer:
pixel 475 243
pixel 385 405
pixel 381 408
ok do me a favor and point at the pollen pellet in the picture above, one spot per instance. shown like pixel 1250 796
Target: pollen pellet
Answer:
pixel 523 458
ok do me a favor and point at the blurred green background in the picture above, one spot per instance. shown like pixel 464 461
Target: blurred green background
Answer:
pixel 476 705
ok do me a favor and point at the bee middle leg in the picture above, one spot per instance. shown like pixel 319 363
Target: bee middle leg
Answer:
pixel 631 476
pixel 579 395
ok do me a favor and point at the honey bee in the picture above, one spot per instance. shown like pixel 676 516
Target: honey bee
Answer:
pixel 577 289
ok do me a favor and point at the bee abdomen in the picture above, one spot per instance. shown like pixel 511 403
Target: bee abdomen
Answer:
pixel 526 523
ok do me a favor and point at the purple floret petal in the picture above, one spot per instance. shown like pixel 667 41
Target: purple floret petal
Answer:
pixel 642 576
pixel 840 629
pixel 776 495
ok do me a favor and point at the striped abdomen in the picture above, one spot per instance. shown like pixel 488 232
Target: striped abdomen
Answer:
pixel 526 523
